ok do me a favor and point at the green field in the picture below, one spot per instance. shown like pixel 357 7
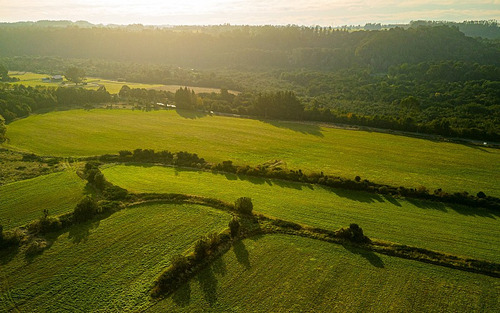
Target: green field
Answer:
pixel 382 158
pixel 278 273
pixel 458 230
pixel 106 266
pixel 112 86
pixel 24 201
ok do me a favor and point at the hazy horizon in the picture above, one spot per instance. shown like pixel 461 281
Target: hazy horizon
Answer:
pixel 245 12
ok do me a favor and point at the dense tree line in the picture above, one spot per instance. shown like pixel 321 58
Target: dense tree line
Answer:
pixel 17 101
pixel 252 47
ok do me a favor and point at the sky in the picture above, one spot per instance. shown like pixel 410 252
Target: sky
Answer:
pixel 248 12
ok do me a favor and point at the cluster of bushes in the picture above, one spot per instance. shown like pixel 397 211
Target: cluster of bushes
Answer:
pixel 184 267
pixel 9 238
pixel 353 233
pixel 181 158
pixel 95 178
pixel 463 198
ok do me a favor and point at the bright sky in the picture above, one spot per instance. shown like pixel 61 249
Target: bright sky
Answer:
pixel 252 12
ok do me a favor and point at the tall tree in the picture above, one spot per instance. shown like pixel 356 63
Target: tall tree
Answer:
pixel 75 74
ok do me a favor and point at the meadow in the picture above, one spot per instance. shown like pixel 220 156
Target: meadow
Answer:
pixel 112 86
pixel 452 229
pixel 24 201
pixel 279 273
pixel 106 265
pixel 383 158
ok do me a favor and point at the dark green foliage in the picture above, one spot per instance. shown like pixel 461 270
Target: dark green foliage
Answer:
pixel 112 192
pixel 244 205
pixel 3 129
pixel 85 210
pixel 45 224
pixel 481 195
pixel 185 98
pixel 201 248
pixel 234 227
pixel 286 224
pixel 353 233
pixel 75 74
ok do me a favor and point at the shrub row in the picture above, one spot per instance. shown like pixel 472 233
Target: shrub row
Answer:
pixel 184 267
pixel 276 172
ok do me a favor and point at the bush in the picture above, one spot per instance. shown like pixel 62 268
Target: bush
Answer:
pixel 234 227
pixel 45 224
pixel 352 233
pixel 244 205
pixel 115 193
pixel 201 248
pixel 85 210
pixel 481 195
pixel 35 247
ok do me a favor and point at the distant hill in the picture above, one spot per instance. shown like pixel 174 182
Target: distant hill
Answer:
pixel 285 47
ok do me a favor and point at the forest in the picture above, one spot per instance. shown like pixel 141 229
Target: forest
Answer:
pixel 427 77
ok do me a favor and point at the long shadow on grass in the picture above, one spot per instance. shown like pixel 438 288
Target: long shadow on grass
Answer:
pixel 7 254
pixel 303 128
pixel 80 232
pixel 374 259
pixel 359 196
pixel 182 296
pixel 461 209
pixel 208 284
pixel 241 253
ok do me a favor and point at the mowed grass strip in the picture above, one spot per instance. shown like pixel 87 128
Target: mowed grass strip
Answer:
pixel 106 266
pixel 279 273
pixel 24 201
pixel 383 158
pixel 457 230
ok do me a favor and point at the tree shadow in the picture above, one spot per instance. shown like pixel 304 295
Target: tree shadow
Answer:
pixel 356 195
pixel 79 233
pixel 208 284
pixel 241 253
pixel 7 254
pixel 300 127
pixel 373 258
pixel 460 209
pixel 219 267
pixel 190 114
pixel 392 200
pixel 182 296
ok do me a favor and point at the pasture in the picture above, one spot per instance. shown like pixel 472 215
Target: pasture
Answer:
pixel 24 201
pixel 106 265
pixel 452 229
pixel 279 273
pixel 112 86
pixel 383 158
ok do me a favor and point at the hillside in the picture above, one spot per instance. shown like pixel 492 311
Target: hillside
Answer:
pixel 383 158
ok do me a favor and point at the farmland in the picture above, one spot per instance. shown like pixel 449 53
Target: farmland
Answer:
pixel 453 229
pixel 112 86
pixel 24 201
pixel 283 273
pixel 383 158
pixel 106 265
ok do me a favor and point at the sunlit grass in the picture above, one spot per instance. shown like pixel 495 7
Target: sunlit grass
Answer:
pixel 106 266
pixel 279 273
pixel 457 230
pixel 24 201
pixel 383 158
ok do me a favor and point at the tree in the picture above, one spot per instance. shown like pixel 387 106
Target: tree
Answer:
pixel 234 226
pixel 244 205
pixel 4 73
pixel 85 209
pixel 75 74
pixel 3 129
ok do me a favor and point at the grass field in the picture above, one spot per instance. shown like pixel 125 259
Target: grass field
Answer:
pixel 382 158
pixel 278 273
pixel 462 231
pixel 24 201
pixel 112 86
pixel 106 266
